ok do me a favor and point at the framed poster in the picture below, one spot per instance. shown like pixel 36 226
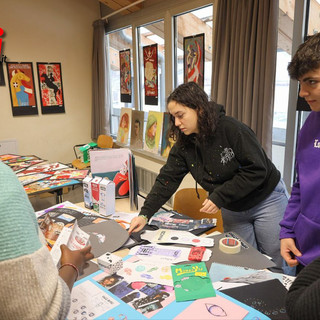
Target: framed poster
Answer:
pixel 50 84
pixel 125 75
pixel 22 90
pixel 150 63
pixel 193 59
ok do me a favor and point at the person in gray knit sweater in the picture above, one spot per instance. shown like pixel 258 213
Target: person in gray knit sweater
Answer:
pixel 303 297
pixel 31 285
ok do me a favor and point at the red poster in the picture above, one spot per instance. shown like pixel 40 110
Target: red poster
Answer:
pixel 50 83
pixel 194 59
pixel 150 61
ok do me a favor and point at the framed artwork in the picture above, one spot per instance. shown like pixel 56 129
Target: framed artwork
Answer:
pixel 193 59
pixel 166 142
pixel 137 124
pixel 22 89
pixel 150 63
pixel 153 131
pixel 125 75
pixel 50 84
pixel 124 125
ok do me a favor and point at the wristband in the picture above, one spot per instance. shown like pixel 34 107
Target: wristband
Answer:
pixel 144 217
pixel 71 265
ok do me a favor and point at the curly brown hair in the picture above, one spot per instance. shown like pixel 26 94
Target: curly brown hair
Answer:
pixel 192 96
pixel 307 57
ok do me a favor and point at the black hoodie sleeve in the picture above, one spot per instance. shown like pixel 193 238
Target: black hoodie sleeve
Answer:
pixel 167 182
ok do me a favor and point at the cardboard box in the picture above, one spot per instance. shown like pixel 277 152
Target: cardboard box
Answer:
pixel 95 192
pixel 107 197
pixel 87 196
pixel 110 263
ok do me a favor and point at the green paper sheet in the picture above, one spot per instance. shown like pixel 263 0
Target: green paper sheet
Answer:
pixel 192 281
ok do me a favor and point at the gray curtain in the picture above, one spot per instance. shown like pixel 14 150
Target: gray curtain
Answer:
pixel 100 117
pixel 244 63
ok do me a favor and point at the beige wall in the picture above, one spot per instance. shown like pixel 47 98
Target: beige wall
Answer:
pixel 50 31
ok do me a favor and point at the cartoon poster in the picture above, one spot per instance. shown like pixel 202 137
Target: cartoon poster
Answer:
pixel 167 141
pixel 50 83
pixel 194 59
pixel 124 125
pixel 22 90
pixel 125 75
pixel 137 125
pixel 150 62
pixel 153 131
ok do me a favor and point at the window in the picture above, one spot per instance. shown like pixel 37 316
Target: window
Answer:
pixel 116 42
pixel 281 96
pixel 188 24
pixel 151 34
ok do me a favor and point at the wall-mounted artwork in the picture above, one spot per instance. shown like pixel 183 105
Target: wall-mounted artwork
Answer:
pixel 153 131
pixel 193 52
pixel 150 62
pixel 137 124
pixel 125 75
pixel 22 90
pixel 50 83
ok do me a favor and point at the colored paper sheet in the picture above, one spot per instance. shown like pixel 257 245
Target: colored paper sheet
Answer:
pixel 213 308
pixel 192 281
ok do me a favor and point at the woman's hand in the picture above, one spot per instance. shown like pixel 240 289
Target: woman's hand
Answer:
pixel 137 224
pixel 289 251
pixel 209 207
pixel 78 258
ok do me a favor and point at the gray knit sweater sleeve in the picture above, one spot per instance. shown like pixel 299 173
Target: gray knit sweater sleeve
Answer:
pixel 303 298
pixel 30 284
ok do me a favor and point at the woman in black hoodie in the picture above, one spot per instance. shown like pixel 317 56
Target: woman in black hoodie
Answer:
pixel 225 158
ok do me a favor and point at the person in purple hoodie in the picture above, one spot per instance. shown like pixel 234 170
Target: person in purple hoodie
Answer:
pixel 300 226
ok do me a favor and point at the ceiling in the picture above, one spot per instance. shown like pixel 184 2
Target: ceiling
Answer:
pixel 116 5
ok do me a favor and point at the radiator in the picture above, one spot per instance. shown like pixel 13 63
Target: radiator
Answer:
pixel 146 179
pixel 9 146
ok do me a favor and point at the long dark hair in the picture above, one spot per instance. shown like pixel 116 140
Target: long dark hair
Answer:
pixel 192 96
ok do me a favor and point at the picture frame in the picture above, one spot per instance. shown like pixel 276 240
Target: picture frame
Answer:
pixel 22 88
pixel 50 86
pixel 193 59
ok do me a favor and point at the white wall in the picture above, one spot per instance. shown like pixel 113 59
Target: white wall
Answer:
pixel 50 31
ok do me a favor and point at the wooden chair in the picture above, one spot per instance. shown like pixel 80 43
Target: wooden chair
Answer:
pixel 103 142
pixel 186 202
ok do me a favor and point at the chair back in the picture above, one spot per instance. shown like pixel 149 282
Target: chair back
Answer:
pixel 104 141
pixel 186 202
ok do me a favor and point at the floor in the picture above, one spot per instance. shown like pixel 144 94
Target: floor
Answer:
pixel 46 200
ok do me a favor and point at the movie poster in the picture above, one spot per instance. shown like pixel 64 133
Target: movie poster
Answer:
pixel 50 84
pixel 22 90
pixel 125 75
pixel 150 62
pixel 194 59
